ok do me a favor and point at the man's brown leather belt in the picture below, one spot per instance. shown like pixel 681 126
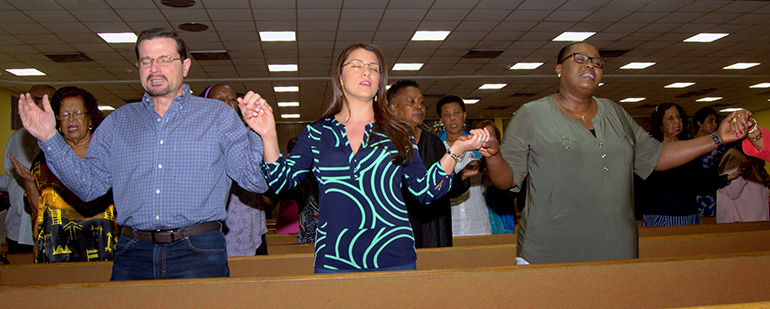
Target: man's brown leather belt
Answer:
pixel 167 236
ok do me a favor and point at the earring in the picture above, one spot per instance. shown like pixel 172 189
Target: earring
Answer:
pixel 60 130
pixel 91 127
pixel 558 75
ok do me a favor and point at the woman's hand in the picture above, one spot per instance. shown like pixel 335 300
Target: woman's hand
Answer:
pixel 258 114
pixel 22 171
pixel 473 141
pixel 490 148
pixel 41 123
pixel 734 127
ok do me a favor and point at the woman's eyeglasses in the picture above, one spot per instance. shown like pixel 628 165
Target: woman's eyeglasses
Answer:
pixel 583 58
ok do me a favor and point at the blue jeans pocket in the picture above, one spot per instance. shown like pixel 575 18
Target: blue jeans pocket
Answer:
pixel 206 243
pixel 122 245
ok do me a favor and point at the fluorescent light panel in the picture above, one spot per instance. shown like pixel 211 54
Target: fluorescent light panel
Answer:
pixel 492 86
pixel 282 67
pixel 705 37
pixel 573 36
pixel 708 99
pixel 286 88
pixel 730 110
pixel 289 115
pixel 25 72
pixel 762 85
pixel 631 100
pixel 430 35
pixel 106 108
pixel 277 36
pixel 741 66
pixel 637 65
pixel 288 104
pixel 679 85
pixel 526 66
pixel 122 37
pixel 471 101
pixel 407 66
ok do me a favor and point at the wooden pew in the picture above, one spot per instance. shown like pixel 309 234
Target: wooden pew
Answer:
pixel 279 244
pixel 427 259
pixel 657 282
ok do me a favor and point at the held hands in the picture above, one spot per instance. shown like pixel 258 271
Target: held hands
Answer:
pixel 473 141
pixel 490 149
pixel 258 114
pixel 41 123
pixel 734 127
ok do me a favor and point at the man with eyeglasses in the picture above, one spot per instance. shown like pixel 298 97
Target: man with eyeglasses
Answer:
pixel 22 146
pixel 167 159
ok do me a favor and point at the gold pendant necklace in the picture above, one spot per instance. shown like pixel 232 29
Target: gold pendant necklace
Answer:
pixel 558 101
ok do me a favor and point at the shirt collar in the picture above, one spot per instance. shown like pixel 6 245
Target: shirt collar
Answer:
pixel 182 99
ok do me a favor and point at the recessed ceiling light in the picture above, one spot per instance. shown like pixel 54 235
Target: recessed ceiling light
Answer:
pixel 679 85
pixel 708 99
pixel 637 65
pixel 526 66
pixel 471 101
pixel 282 67
pixel 492 86
pixel 430 35
pixel 407 66
pixel 741 66
pixel 289 115
pixel 286 88
pixel 25 72
pixel 730 110
pixel 277 36
pixel 123 37
pixel 705 37
pixel 193 27
pixel 287 104
pixel 106 108
pixel 573 36
pixel 761 85
pixel 631 100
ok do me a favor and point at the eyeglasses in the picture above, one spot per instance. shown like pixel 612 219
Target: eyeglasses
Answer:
pixel 78 114
pixel 358 65
pixel 583 58
pixel 162 61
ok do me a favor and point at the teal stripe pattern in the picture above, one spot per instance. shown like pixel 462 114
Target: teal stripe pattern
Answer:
pixel 363 223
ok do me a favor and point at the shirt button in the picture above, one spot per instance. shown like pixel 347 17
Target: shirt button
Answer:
pixel 161 142
pixel 606 168
pixel 157 191
pixel 601 144
pixel 158 119
pixel 160 165
pixel 604 155
pixel 49 148
pixel 157 217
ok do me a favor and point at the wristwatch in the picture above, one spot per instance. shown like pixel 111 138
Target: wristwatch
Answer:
pixel 454 156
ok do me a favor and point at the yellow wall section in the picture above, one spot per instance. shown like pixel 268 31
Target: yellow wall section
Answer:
pixel 5 121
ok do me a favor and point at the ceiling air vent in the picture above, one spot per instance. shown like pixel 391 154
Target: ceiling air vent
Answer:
pixel 483 53
pixel 69 57
pixel 696 93
pixel 523 94
pixel 498 108
pixel 210 55
pixel 610 53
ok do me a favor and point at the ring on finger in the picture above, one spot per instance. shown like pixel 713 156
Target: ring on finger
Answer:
pixel 733 120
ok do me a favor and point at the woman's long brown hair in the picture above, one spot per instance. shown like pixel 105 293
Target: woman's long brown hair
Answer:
pixel 398 131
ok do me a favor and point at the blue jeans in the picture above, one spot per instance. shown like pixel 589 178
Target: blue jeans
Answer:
pixel 200 256
pixel 411 266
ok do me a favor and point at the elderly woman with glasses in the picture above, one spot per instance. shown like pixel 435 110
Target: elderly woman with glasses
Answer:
pixel 362 154
pixel 580 153
pixel 65 228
